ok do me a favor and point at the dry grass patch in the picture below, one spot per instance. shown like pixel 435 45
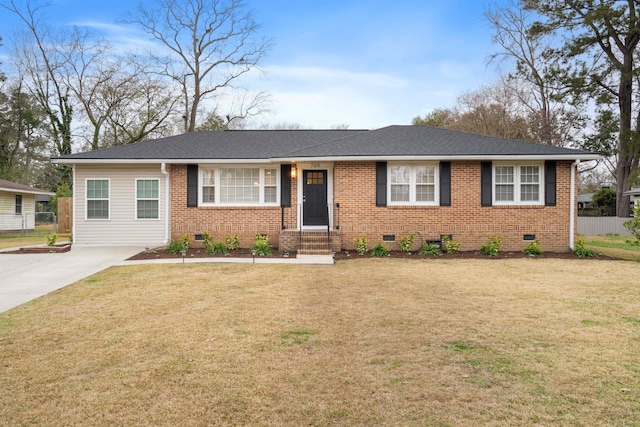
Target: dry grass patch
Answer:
pixel 33 238
pixel 367 342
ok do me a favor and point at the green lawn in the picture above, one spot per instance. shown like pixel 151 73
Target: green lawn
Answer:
pixel 623 247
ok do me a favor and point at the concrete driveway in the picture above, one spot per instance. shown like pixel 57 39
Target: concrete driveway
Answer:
pixel 27 276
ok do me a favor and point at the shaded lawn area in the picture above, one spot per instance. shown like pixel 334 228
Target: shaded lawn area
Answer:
pixel 623 247
pixel 364 342
pixel 31 238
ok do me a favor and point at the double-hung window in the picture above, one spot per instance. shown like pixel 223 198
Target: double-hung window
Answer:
pixel 97 198
pixel 147 199
pixel 238 185
pixel 413 184
pixel 18 204
pixel 518 184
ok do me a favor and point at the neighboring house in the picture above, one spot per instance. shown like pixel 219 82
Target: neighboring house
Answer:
pixel 335 185
pixel 585 201
pixel 42 202
pixel 634 196
pixel 18 206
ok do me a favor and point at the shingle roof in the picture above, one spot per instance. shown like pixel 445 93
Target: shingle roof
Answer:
pixel 242 144
pixel 14 186
pixel 385 143
pixel 428 141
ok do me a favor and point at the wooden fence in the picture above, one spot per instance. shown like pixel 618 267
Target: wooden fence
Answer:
pixel 602 225
pixel 65 214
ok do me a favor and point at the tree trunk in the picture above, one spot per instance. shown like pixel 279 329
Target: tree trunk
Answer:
pixel 625 157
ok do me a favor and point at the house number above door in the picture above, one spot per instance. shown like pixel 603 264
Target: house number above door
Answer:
pixel 315 165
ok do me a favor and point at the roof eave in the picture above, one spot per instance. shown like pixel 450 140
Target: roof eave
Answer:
pixel 153 161
pixel 511 157
pixel 21 191
pixel 502 157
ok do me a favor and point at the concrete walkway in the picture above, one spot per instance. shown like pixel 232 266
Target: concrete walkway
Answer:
pixel 24 277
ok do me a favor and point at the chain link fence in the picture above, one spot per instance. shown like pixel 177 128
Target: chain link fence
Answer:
pixel 28 222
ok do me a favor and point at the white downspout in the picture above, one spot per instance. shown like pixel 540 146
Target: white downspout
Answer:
pixel 163 169
pixel 73 203
pixel 572 204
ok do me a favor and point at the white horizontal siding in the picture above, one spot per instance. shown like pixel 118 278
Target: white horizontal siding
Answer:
pixel 8 218
pixel 122 228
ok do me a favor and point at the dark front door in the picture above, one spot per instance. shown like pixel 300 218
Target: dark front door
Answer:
pixel 314 198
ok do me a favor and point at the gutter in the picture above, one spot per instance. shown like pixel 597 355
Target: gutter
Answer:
pixel 390 158
pixel 163 169
pixel 572 204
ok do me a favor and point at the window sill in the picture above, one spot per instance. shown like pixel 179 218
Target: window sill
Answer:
pixel 539 206
pixel 406 207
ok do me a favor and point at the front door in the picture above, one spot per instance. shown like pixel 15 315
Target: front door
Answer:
pixel 314 198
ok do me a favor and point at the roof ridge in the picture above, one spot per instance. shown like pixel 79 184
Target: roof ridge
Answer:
pixel 325 142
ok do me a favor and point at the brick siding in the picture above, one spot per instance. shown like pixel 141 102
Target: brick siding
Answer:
pixel 465 219
pixel 358 215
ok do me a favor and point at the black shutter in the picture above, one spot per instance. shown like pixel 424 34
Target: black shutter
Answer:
pixel 285 186
pixel 445 183
pixel 486 184
pixel 381 184
pixel 192 186
pixel 550 183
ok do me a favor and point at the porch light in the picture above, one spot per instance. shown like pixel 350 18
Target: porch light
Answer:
pixel 294 172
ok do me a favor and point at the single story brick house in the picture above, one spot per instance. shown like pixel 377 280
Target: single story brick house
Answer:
pixel 18 206
pixel 297 186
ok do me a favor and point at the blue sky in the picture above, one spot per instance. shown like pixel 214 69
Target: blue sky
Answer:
pixel 364 63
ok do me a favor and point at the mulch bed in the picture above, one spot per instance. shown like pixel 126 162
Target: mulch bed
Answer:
pixel 41 249
pixel 345 255
pixel 160 253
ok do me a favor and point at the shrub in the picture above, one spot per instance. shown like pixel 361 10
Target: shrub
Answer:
pixel 633 225
pixel 362 245
pixel 261 245
pixel 430 249
pixel 450 246
pixel 406 242
pixel 580 249
pixel 212 247
pixel 380 250
pixel 492 248
pixel 51 239
pixel 177 246
pixel 218 248
pixel 232 242
pixel 533 248
pixel 207 241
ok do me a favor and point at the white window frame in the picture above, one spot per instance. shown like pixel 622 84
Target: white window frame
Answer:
pixel 517 184
pixel 86 199
pixel 137 199
pixel 412 184
pixel 217 182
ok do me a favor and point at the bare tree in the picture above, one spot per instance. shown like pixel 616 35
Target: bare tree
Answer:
pixel 600 59
pixel 492 110
pixel 143 111
pixel 535 79
pixel 114 92
pixel 37 58
pixel 207 46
